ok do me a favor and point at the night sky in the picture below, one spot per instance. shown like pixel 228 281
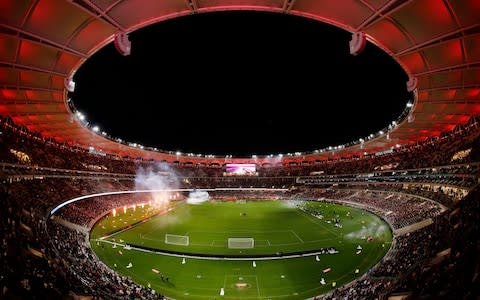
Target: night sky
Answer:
pixel 240 83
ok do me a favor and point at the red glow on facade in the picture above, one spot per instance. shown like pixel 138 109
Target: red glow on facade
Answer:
pixel 449 127
pixel 449 95
pixel 28 50
pixel 8 46
pixel 66 62
pixel 472 45
pixel 446 54
pixel 20 107
pixel 30 95
pixel 390 34
pixel 18 120
pixel 57 96
pixel 33 118
pixel 437 12
pixel 414 62
pixel 9 94
pixel 472 93
pixel 57 82
pixel 434 22
pixel 463 119
pixel 476 108
pixel 423 96
pixel 5 76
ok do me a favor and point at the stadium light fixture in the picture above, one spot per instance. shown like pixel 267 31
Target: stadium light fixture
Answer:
pixel 96 128
pixel 80 116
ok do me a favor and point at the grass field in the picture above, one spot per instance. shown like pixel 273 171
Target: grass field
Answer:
pixel 277 227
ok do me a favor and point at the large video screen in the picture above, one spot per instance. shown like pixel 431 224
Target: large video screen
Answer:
pixel 241 170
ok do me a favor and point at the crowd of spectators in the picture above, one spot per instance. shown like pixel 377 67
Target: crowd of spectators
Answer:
pixel 439 261
pixel 30 148
pixel 96 277
pixel 453 270
pixel 398 209
pixel 368 287
pixel 83 213
pixel 43 259
pixel 32 266
pixel 19 146
pixel 454 175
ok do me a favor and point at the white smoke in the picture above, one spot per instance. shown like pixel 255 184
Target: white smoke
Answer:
pixel 197 197
pixel 157 177
pixel 373 229
pixel 292 203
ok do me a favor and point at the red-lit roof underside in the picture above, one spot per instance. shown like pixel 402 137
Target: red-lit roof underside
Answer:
pixel 44 41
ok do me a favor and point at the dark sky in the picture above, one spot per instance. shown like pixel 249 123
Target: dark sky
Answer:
pixel 240 83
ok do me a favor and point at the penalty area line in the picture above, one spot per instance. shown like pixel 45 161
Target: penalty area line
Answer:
pixel 258 287
pixel 308 217
pixel 295 234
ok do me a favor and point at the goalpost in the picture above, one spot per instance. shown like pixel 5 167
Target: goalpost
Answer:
pixel 174 239
pixel 241 243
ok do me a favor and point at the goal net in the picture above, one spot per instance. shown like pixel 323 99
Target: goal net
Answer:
pixel 174 239
pixel 241 243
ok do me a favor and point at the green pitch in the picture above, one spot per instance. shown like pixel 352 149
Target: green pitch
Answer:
pixel 197 269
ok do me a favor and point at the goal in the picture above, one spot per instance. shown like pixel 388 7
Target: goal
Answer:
pixel 241 243
pixel 174 239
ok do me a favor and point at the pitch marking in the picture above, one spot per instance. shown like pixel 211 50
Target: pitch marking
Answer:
pixel 295 234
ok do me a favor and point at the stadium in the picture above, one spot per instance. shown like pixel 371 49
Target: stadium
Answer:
pixel 392 214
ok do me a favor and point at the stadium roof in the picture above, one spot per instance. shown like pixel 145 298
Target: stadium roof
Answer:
pixel 44 42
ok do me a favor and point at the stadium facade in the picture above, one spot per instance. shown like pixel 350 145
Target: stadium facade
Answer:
pixel 421 174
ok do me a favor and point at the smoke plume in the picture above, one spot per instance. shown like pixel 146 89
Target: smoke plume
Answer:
pixel 197 197
pixel 157 177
